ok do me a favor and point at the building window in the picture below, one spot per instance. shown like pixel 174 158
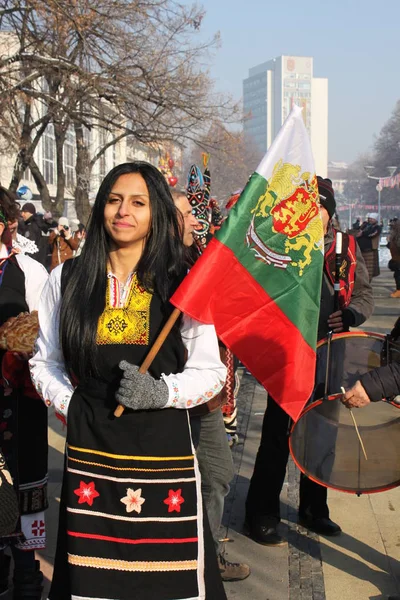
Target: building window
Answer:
pixel 27 175
pixel 87 136
pixel 102 159
pixel 69 158
pixel 49 153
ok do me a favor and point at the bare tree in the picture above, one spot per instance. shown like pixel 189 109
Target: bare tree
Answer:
pixel 359 189
pixel 233 158
pixel 387 154
pixel 127 67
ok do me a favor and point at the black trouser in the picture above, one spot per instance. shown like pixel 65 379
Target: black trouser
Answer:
pixel 396 276
pixel 270 468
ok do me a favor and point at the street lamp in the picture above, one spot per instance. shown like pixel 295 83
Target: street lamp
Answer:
pixel 368 169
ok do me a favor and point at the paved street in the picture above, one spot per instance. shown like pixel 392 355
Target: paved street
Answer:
pixel 363 563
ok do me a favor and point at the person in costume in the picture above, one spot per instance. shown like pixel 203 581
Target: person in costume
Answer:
pixel 131 518
pixel 229 408
pixel 198 194
pixel 356 305
pixel 23 418
pixel 210 440
pixel 368 240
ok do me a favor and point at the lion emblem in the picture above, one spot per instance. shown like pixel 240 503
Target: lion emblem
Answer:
pixel 292 200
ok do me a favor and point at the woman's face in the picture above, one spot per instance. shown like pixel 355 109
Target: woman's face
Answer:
pixel 127 213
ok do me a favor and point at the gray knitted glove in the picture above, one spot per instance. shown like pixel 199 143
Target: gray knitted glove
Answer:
pixel 140 391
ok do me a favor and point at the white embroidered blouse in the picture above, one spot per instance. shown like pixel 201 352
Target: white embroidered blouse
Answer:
pixel 202 378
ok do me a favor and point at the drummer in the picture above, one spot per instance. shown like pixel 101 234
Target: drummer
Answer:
pixel 356 305
pixel 375 385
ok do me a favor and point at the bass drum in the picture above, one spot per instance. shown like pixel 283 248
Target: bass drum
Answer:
pixel 324 442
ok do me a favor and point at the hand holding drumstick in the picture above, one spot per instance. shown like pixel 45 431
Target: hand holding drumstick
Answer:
pixel 355 397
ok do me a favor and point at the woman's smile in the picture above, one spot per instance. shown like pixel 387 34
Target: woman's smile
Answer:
pixel 122 224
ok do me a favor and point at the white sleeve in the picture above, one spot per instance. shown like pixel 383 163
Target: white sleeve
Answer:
pixel 35 279
pixel 47 365
pixel 204 374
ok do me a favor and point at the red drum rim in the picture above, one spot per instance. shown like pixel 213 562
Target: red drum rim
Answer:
pixel 315 479
pixel 346 334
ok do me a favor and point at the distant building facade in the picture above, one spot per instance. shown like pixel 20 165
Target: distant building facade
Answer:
pixel 269 93
pixel 337 172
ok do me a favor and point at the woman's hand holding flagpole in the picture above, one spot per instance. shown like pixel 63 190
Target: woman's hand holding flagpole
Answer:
pixel 154 351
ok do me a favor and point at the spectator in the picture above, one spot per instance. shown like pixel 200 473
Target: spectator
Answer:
pixel 368 241
pixel 30 229
pixel 62 243
pixel 81 236
pixel 48 223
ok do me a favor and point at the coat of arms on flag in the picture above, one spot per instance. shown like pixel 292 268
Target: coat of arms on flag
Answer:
pixel 291 198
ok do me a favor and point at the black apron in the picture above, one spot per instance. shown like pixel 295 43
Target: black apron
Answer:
pixel 131 524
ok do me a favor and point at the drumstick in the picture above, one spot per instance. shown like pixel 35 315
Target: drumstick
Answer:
pixel 154 351
pixel 356 427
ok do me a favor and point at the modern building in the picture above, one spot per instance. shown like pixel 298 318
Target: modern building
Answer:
pixel 269 93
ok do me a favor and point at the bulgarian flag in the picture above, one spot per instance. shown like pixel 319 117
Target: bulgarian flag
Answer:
pixel 259 280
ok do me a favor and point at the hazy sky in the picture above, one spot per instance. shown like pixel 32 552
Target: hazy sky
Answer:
pixel 355 44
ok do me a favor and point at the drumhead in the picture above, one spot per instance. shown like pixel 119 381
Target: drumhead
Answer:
pixel 324 442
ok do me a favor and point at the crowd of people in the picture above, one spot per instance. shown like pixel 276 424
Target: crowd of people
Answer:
pixel 50 242
pixel 143 494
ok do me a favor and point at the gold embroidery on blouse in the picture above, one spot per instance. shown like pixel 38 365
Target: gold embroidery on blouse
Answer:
pixel 129 324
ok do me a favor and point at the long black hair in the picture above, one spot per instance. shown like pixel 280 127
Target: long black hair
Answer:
pixel 9 211
pixel 161 263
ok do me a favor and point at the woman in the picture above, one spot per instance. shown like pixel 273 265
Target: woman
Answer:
pixel 23 418
pixel 131 520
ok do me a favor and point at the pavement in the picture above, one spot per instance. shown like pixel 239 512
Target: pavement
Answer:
pixel 361 564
